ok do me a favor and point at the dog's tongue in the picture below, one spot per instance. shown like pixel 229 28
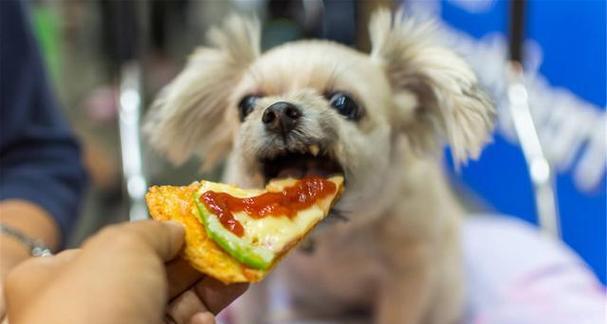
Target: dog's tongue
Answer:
pixel 303 169
pixel 291 173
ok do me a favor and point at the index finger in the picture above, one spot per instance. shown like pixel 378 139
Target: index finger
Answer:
pixel 217 295
pixel 181 276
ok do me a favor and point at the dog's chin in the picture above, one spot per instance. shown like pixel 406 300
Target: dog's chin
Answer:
pixel 297 164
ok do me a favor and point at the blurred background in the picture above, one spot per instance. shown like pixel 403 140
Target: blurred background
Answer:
pixel 108 59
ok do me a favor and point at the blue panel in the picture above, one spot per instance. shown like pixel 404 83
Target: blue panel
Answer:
pixel 489 18
pixel 572 36
pixel 566 52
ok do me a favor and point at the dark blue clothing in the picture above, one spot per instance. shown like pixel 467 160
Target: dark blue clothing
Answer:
pixel 39 157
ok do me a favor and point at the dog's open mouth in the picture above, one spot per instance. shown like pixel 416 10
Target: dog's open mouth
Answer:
pixel 300 164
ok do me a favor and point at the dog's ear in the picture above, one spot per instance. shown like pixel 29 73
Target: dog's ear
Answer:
pixel 189 116
pixel 436 94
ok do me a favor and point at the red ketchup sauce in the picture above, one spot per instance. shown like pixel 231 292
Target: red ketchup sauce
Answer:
pixel 303 194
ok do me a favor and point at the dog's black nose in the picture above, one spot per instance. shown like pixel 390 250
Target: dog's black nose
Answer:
pixel 281 117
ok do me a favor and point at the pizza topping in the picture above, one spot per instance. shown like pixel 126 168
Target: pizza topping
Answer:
pixel 303 194
pixel 256 226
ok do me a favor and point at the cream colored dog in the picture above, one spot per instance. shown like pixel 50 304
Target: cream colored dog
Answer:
pixel 381 119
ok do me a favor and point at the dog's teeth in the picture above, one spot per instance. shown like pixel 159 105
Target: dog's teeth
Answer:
pixel 314 149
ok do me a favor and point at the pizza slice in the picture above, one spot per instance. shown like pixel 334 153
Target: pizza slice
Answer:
pixel 238 235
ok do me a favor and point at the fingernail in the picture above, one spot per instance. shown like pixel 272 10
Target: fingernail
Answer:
pixel 176 227
pixel 203 318
pixel 175 224
pixel 177 231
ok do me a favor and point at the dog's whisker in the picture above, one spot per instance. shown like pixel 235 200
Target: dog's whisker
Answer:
pixel 307 245
pixel 337 215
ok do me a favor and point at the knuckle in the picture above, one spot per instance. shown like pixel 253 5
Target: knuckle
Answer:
pixel 119 236
pixel 108 232
pixel 126 239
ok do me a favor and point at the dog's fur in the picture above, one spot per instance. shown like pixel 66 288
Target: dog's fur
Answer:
pixel 398 256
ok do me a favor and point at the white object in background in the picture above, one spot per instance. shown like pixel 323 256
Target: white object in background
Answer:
pixel 540 171
pixel 130 139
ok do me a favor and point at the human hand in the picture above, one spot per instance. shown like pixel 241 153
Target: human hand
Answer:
pixel 119 276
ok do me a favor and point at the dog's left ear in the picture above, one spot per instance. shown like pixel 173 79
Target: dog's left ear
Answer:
pixel 436 94
pixel 191 115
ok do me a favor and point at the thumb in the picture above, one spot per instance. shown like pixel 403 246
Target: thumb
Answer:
pixel 163 238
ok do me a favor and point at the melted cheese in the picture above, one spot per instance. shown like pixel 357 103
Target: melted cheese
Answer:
pixel 275 232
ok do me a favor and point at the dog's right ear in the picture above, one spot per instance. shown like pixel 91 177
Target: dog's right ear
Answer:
pixel 189 116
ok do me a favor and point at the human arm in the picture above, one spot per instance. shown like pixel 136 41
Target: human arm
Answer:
pixel 41 177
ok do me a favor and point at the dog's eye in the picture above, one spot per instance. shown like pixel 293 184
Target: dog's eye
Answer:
pixel 345 105
pixel 246 106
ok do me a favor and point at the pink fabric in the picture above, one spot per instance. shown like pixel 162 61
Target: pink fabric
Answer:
pixel 515 275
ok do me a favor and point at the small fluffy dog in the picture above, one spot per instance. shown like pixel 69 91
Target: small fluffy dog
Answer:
pixel 318 107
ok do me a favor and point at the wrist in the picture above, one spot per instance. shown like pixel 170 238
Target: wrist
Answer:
pixel 36 247
pixel 30 220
